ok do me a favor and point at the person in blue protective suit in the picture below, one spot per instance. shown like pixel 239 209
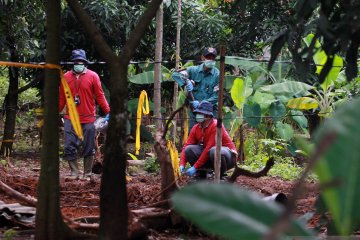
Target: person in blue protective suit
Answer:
pixel 201 82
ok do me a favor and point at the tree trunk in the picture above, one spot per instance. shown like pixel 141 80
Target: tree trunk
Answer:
pixel 11 100
pixel 49 222
pixel 177 66
pixel 157 68
pixel 113 196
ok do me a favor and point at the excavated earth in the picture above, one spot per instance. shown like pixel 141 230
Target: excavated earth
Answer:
pixel 80 199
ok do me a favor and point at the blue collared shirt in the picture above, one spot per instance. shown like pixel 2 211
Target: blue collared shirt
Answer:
pixel 206 83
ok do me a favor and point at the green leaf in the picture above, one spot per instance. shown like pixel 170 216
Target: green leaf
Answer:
pixel 299 118
pixel 231 212
pixel 340 163
pixel 263 99
pixel 277 111
pixel 284 130
pixel 303 103
pixel 252 114
pixel 288 88
pixel 148 77
pixel 239 91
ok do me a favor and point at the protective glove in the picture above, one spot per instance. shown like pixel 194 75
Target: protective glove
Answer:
pixel 182 168
pixel 189 86
pixel 195 103
pixel 191 171
pixel 106 118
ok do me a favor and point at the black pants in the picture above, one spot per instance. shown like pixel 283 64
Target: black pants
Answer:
pixel 73 146
pixel 228 158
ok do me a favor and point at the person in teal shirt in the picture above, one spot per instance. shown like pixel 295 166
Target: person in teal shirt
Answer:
pixel 203 82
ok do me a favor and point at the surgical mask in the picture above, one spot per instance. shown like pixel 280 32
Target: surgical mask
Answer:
pixel 199 117
pixel 209 64
pixel 79 68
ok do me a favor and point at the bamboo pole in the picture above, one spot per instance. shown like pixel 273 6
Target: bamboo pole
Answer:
pixel 217 162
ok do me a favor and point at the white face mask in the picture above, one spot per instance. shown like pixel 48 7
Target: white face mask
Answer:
pixel 79 68
pixel 209 63
pixel 199 117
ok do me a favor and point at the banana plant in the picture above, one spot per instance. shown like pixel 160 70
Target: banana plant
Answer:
pixel 324 96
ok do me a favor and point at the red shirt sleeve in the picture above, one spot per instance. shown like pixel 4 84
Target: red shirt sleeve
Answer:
pixel 62 100
pixel 192 139
pixel 100 96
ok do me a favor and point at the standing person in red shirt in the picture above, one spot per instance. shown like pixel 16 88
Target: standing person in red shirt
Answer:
pixel 199 149
pixel 86 88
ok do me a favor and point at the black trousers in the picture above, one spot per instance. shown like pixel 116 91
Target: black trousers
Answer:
pixel 73 146
pixel 228 158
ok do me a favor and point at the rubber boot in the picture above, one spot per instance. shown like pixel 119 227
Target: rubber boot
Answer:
pixel 88 163
pixel 74 174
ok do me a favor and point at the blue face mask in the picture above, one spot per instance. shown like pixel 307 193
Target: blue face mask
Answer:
pixel 79 68
pixel 209 63
pixel 199 117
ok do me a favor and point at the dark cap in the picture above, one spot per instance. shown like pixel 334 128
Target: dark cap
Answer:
pixel 79 54
pixel 204 107
pixel 209 51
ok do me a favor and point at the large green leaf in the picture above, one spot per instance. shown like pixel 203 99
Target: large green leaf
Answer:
pixel 289 88
pixel 341 164
pixel 148 77
pixel 240 90
pixel 231 212
pixel 244 64
pixel 277 111
pixel 263 99
pixel 252 114
pixel 284 130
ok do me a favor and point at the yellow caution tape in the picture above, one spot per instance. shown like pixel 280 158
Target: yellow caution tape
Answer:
pixel 174 159
pixel 141 109
pixel 186 126
pixel 74 116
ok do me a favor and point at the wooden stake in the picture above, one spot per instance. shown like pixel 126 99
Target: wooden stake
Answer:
pixel 217 160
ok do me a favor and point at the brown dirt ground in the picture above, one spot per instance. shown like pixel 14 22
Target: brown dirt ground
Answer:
pixel 81 198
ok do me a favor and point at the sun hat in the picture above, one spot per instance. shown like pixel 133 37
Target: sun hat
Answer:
pixel 205 107
pixel 79 54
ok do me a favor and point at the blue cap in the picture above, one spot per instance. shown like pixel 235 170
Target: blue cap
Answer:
pixel 204 107
pixel 79 54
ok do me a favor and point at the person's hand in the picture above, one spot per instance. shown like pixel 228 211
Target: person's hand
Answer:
pixel 106 118
pixel 191 171
pixel 182 168
pixel 195 103
pixel 189 86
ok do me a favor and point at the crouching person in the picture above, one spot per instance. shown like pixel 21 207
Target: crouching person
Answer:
pixel 199 149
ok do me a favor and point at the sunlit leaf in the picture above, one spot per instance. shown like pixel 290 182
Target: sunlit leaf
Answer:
pixel 303 103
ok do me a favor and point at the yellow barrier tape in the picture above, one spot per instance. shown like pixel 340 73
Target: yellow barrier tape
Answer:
pixel 74 116
pixel 174 159
pixel 186 126
pixel 140 109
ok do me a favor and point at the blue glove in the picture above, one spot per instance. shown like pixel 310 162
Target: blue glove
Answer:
pixel 182 168
pixel 107 117
pixel 189 86
pixel 195 103
pixel 191 171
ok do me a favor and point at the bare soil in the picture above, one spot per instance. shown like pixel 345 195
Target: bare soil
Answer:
pixel 81 198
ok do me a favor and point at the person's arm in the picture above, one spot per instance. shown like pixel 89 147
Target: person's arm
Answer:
pixel 180 76
pixel 191 140
pixel 100 96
